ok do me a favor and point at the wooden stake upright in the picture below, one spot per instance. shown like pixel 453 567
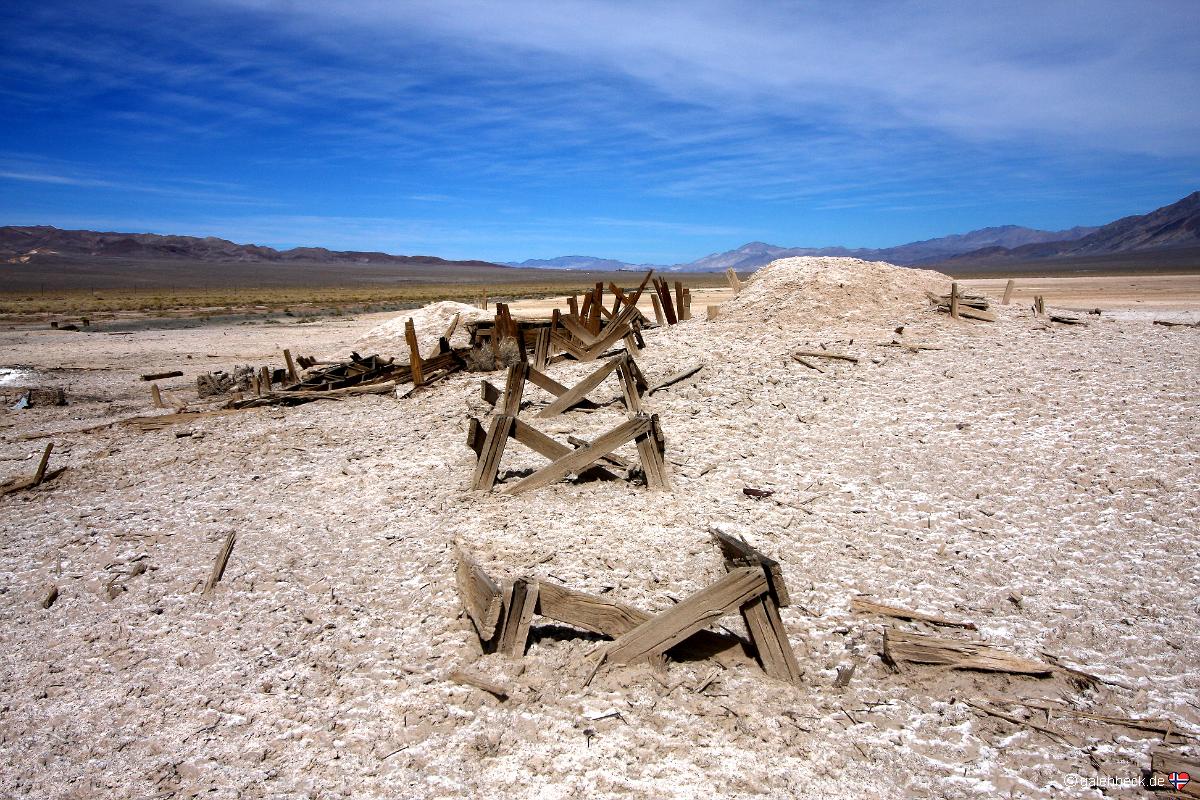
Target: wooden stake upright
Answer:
pixel 954 300
pixel 414 353
pixel 1008 290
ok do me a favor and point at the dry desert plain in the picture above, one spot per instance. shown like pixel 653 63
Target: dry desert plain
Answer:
pixel 1040 481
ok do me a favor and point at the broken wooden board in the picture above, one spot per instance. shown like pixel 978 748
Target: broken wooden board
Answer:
pixel 479 682
pixel 651 446
pixel 665 630
pixel 671 380
pixel 579 391
pixel 864 606
pixel 825 354
pixel 919 648
pixel 488 464
pixel 481 596
pixel 739 553
pixel 40 475
pixel 514 634
pixel 577 459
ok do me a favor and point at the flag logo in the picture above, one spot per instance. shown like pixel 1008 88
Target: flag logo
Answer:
pixel 1179 780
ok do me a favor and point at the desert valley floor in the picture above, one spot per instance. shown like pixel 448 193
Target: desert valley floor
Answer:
pixel 1041 481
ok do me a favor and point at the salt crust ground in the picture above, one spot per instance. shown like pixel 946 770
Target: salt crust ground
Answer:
pixel 1060 463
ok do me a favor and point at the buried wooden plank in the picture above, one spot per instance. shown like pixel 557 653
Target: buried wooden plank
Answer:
pixel 519 613
pixel 493 450
pixel 579 391
pixel 218 570
pixel 479 682
pixel 739 553
pixel 158 376
pixel 671 380
pixel 919 648
pixel 826 354
pixel 481 596
pixel 865 606
pixel 577 459
pixel 1008 290
pixel 665 630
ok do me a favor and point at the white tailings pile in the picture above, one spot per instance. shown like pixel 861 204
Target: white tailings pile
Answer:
pixel 827 291
pixel 430 323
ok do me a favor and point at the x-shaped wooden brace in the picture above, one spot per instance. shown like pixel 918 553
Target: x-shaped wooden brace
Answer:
pixel 633 386
pixel 584 345
pixel 489 449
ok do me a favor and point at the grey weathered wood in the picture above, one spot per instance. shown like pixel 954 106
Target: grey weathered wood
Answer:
pixel 481 597
pixel 541 349
pixel 542 444
pixel 489 393
pixel 658 312
pixel 920 648
pixel 578 391
pixel 770 639
pixel 674 379
pixel 452 327
pixel 514 388
pixel 1008 290
pixel 577 459
pixel 826 354
pixel 651 445
pixel 476 436
pixel 479 682
pixel 864 606
pixel 629 387
pixel 518 615
pixel 663 631
pixel 612 458
pixel 39 475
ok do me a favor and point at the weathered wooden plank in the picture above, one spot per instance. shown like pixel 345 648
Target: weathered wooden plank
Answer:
pixel 522 602
pixel 479 682
pixel 864 606
pixel 663 631
pixel 658 312
pixel 770 639
pixel 481 597
pixel 579 390
pixel 476 436
pixel 158 376
pixel 826 354
pixel 577 459
pixel 293 375
pixel 1008 290
pixel 543 445
pixel 680 308
pixel 569 346
pixel 920 648
pixel 453 326
pixel 541 349
pixel 650 446
pixel 673 379
pixel 612 334
pixel 514 388
pixel 489 393
pixel 578 331
pixel 629 387
pixel 218 570
pixel 738 553
pixel 612 458
pixel 414 353
pixel 488 464
pixel 954 300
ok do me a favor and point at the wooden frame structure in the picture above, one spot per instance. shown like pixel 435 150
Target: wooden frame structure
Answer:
pixel 587 459
pixel 753 586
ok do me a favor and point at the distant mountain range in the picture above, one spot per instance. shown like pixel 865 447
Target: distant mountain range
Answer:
pixel 1171 228
pixel 1168 237
pixel 22 245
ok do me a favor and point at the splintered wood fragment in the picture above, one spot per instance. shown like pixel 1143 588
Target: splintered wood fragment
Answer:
pixel 481 597
pixel 739 553
pixel 1053 734
pixel 611 459
pixel 579 391
pixel 158 376
pixel 479 682
pixel 919 648
pixel 518 615
pixel 734 282
pixel 1008 290
pixel 1162 727
pixel 218 569
pixel 1169 324
pixel 750 491
pixel 665 630
pixel 911 346
pixel 577 459
pixel 1064 320
pixel 674 379
pixel 865 606
pixel 1164 764
pixel 826 354
pixel 293 375
pixel 414 352
pixel 541 349
pixel 51 595
pixel 156 396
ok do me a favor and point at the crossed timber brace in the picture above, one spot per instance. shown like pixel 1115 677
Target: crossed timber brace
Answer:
pixel 752 586
pixel 489 448
pixel 586 345
pixel 633 386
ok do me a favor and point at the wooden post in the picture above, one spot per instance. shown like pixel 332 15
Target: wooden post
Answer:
pixel 573 305
pixel 156 395
pixel 713 311
pixel 1039 305
pixel 954 300
pixel 679 302
pixel 1008 290
pixel 414 353
pixel 668 306
pixel 293 375
pixel 687 303
pixel 734 282
pixel 264 379
pixel 658 313
pixel 218 569
pixel 541 349
pixel 41 470
pixel 483 300
pixel 522 602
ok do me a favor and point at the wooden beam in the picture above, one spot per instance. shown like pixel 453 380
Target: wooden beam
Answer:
pixel 476 436
pixel 452 327
pixel 158 376
pixel 770 639
pixel 577 459
pixel 519 613
pixel 481 596
pixel 541 349
pixel 658 312
pixel 650 447
pixel 579 331
pixel 293 375
pixel 218 570
pixel 514 388
pixel 39 475
pixel 543 445
pixel 489 393
pixel 579 391
pixel 825 354
pixel 680 309
pixel 673 379
pixel 488 464
pixel 1008 290
pixel 630 391
pixel 954 300
pixel 414 353
pixel 738 553
pixel 665 630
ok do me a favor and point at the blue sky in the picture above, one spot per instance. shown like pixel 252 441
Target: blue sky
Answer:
pixel 650 132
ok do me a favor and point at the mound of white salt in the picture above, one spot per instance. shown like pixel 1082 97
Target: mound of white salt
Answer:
pixel 808 291
pixel 430 323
